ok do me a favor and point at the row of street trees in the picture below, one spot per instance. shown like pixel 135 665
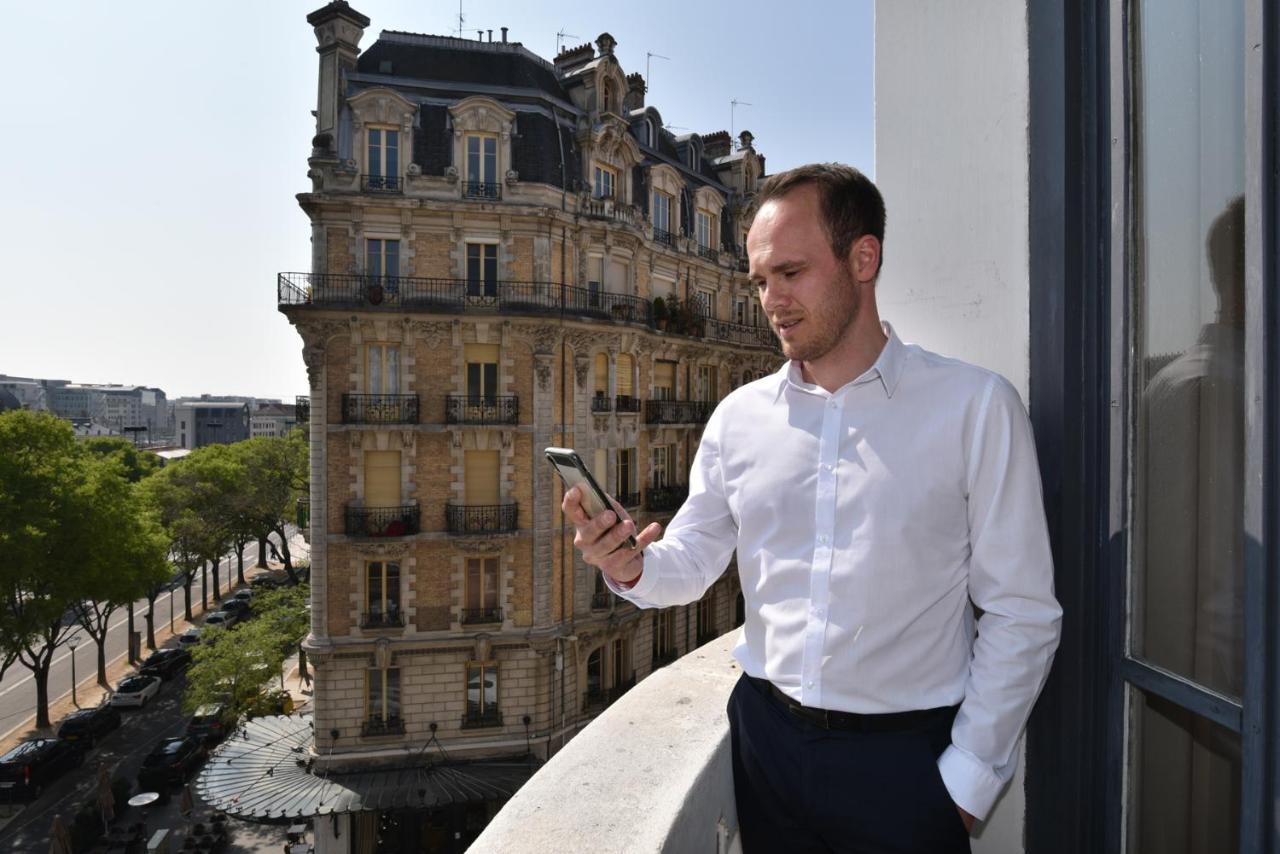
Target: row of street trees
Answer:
pixel 88 528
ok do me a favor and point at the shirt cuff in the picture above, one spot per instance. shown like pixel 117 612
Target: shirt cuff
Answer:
pixel 636 592
pixel 972 784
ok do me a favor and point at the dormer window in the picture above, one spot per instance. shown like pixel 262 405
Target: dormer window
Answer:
pixel 383 159
pixel 707 227
pixel 482 166
pixel 604 182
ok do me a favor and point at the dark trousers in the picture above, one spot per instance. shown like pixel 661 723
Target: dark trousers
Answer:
pixel 802 788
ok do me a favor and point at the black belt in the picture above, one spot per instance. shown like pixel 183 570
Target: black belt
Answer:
pixel 828 719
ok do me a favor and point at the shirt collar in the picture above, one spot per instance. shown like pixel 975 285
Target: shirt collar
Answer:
pixel 887 368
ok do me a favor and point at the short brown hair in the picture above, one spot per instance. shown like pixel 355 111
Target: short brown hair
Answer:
pixel 851 205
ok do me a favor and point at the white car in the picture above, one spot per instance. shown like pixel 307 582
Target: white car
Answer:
pixel 226 619
pixel 135 691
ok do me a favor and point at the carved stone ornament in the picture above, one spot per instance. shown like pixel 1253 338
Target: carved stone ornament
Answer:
pixel 413 170
pixel 513 177
pixel 382 653
pixel 382 550
pixel 407 440
pixel 476 545
pixel 582 341
pixel 581 366
pixel 543 370
pixel 357 440
pixel 484 647
pixel 451 174
pixel 435 334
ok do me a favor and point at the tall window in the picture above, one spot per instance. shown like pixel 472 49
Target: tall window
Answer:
pixel 756 318
pixel 664 380
pixel 664 636
pixel 621 670
pixel 382 261
pixel 482 270
pixel 708 383
pixel 482 590
pixel 703 223
pixel 663 458
pixel 382 593
pixel 595 676
pixel 605 180
pixel 482 694
pixel 740 311
pixel 625 370
pixel 706 617
pixel 482 166
pixel 384 157
pixel 626 472
pixel 383 698
pixel 383 363
pixel 662 211
pixel 382 478
pixel 482 474
pixel 482 373
pixel 601 376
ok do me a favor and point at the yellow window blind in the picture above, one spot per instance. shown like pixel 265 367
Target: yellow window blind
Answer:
pixel 482 477
pixel 664 375
pixel 602 373
pixel 625 369
pixel 382 478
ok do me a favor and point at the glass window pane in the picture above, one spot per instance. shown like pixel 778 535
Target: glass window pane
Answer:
pixel 473 262
pixel 1188 169
pixel 393 371
pixel 373 257
pixel 375 692
pixel 392 588
pixel 393 692
pixel 375 588
pixel 375 369
pixel 1186 782
pixel 491 582
pixel 473 158
pixel 491 687
pixel 391 262
pixel 473 690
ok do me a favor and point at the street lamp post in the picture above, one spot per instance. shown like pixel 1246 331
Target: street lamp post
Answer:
pixel 73 642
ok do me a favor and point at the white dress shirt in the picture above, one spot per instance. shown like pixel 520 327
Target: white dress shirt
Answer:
pixel 868 523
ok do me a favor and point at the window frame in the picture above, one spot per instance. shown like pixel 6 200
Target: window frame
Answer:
pixel 383 568
pixel 600 171
pixel 384 680
pixel 382 171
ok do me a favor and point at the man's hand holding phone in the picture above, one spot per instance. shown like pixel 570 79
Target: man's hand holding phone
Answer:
pixel 600 538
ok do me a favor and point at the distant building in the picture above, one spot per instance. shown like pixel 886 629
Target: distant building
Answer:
pixel 202 423
pixel 29 393
pixel 272 419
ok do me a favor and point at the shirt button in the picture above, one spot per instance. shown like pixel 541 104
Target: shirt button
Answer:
pixel 828 467
pixel 823 539
pixel 809 683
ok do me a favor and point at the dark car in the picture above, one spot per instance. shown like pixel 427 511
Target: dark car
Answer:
pixel 34 764
pixel 238 608
pixel 210 724
pixel 170 762
pixel 86 726
pixel 166 663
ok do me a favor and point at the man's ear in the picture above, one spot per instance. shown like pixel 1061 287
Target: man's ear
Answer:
pixel 864 259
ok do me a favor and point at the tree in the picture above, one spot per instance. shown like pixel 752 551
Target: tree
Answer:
pixel 276 469
pixel 138 463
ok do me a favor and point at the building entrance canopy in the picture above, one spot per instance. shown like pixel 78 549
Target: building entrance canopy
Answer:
pixel 265 773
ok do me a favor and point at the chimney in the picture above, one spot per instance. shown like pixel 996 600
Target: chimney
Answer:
pixel 634 99
pixel 338 30
pixel 504 35
pixel 715 144
pixel 570 58
pixel 745 139
pixel 490 32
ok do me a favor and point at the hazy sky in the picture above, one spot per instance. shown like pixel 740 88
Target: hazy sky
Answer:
pixel 150 153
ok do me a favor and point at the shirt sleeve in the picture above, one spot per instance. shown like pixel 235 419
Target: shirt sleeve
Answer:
pixel 1011 581
pixel 696 546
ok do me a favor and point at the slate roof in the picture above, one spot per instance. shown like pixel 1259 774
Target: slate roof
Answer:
pixel 460 61
pixel 264 773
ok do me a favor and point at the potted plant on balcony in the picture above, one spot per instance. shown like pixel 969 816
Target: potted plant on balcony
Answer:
pixel 660 316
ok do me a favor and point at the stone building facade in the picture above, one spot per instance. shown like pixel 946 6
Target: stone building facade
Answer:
pixel 507 254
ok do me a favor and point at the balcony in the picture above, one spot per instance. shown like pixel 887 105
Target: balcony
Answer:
pixel 665 499
pixel 683 800
pixel 481 518
pixel 389 619
pixel 302 409
pixel 464 409
pixel 628 499
pixel 609 208
pixel 383 726
pixel 678 411
pixel 490 717
pixel 399 521
pixel 626 403
pixel 490 190
pixel 381 184
pixel 601 403
pixel 666 238
pixel 379 409
pixel 712 255
pixel 727 332
pixel 471 616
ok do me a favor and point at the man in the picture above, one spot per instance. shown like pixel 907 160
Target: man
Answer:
pixel 875 493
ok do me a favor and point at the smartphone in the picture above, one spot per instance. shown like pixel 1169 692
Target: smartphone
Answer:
pixel 574 473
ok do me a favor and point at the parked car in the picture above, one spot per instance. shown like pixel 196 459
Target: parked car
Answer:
pixel 273 702
pixel 190 637
pixel 135 690
pixel 169 763
pixel 244 594
pixel 86 726
pixel 166 663
pixel 238 608
pixel 34 764
pixel 211 723
pixel 221 618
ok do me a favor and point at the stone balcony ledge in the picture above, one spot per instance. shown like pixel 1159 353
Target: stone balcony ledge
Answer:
pixel 652 773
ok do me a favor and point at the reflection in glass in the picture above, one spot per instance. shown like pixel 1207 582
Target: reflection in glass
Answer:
pixel 1186 794
pixel 1188 264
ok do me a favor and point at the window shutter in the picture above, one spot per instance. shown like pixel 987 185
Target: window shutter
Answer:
pixel 664 376
pixel 482 477
pixel 625 369
pixel 602 373
pixel 382 478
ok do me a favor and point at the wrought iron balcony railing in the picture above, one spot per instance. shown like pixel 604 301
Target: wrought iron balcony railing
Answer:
pixel 601 601
pixel 481 615
pixel 628 499
pixel 475 719
pixel 389 619
pixel 678 411
pixel 710 254
pixel 379 409
pixel 627 403
pixel 383 726
pixel 609 208
pixel 302 409
pixel 739 333
pixel 481 518
pixel 464 409
pixel 481 189
pixel 666 238
pixel 399 521
pixel 665 499
pixel 601 403
pixel 381 183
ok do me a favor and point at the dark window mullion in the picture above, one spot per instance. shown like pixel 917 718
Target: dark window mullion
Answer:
pixel 1182 692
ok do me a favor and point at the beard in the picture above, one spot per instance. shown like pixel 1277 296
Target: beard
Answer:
pixel 827 322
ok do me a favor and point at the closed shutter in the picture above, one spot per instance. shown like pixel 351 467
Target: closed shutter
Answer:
pixel 618 275
pixel 664 380
pixel 602 374
pixel 382 478
pixel 625 369
pixel 482 477
pixel 600 469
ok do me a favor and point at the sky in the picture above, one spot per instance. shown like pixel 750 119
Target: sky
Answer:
pixel 150 154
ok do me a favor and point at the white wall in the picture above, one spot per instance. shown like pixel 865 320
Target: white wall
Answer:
pixel 951 93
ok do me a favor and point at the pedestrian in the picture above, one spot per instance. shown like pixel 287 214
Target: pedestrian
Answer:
pixel 880 498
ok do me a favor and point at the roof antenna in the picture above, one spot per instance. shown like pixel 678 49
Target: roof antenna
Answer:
pixel 648 56
pixel 733 105
pixel 461 18
pixel 560 37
